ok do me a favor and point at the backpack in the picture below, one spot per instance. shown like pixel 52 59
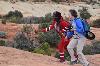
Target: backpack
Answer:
pixel 86 29
pixel 82 25
pixel 86 26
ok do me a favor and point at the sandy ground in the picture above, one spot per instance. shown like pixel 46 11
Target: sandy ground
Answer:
pixel 14 57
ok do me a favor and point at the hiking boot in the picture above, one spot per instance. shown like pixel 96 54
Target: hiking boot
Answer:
pixel 73 62
pixel 62 61
pixel 87 65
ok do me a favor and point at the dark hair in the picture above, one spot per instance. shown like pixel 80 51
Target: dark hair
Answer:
pixel 73 12
pixel 56 14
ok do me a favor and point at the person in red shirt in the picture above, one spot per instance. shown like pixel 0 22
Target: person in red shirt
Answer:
pixel 61 26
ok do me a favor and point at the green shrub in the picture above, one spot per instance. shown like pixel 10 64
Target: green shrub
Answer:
pixel 2 43
pixel 15 13
pixel 36 20
pixel 24 40
pixel 0 16
pixel 57 1
pixel 3 35
pixel 43 25
pixel 39 0
pixel 27 28
pixel 22 0
pixel 21 41
pixel 96 47
pixel 13 16
pixel 43 49
pixel 5 0
pixel 3 21
pixel 48 17
pixel 13 19
pixel 92 49
pixel 18 14
pixel 87 50
pixel 96 23
pixel 51 37
pixel 84 13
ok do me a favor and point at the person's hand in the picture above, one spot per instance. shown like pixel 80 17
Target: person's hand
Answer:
pixel 43 30
pixel 62 35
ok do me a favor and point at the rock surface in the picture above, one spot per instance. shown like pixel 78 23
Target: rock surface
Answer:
pixel 14 57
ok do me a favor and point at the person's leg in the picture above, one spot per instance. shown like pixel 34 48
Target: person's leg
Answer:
pixel 81 56
pixel 70 47
pixel 66 44
pixel 61 49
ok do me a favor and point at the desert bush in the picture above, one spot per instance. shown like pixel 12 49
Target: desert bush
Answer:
pixel 92 49
pixel 13 19
pixel 22 0
pixel 24 40
pixel 96 23
pixel 44 49
pixel 15 13
pixel 84 13
pixel 51 37
pixel 3 34
pixel 48 17
pixel 57 1
pixel 2 43
pixel 41 20
pixel 36 20
pixel 21 41
pixel 27 28
pixel 3 21
pixel 39 0
pixel 5 0
pixel 13 16
pixel 87 50
pixel 43 25
pixel 96 47
pixel 0 16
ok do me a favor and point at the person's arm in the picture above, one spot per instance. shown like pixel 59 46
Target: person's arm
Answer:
pixel 66 26
pixel 49 28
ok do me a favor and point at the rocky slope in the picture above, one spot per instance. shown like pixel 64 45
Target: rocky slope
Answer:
pixel 40 9
pixel 14 57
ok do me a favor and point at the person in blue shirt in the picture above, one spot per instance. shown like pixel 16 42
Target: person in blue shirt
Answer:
pixel 78 39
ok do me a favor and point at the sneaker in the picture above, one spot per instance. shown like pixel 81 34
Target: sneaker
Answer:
pixel 73 62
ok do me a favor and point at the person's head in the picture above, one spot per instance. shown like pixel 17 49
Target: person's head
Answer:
pixel 73 13
pixel 57 16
